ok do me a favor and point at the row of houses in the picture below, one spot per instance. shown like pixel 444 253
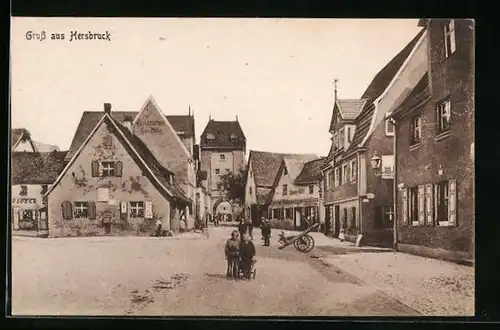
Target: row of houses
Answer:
pixel 400 169
pixel 123 172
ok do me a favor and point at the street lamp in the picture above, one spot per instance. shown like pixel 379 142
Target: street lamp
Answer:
pixel 376 163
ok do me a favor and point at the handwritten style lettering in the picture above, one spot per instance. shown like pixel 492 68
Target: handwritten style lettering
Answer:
pixel 75 35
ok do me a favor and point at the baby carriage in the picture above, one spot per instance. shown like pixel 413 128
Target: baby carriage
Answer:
pixel 253 270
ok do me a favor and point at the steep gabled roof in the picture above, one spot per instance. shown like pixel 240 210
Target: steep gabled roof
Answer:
pixel 294 165
pixel 89 119
pixel 265 165
pixel 226 134
pixel 36 167
pixel 44 147
pixel 311 172
pixel 420 93
pixel 263 195
pixel 17 135
pixel 159 175
pixel 348 109
pixel 376 88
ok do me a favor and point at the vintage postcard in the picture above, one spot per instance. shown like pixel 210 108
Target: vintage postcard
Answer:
pixel 242 167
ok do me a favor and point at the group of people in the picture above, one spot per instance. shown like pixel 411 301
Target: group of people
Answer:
pixel 240 253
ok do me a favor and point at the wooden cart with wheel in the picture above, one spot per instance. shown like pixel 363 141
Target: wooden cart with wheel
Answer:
pixel 302 242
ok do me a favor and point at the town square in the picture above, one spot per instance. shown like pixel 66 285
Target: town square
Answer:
pixel 207 170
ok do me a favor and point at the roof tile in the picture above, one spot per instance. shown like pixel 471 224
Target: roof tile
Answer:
pixel 36 167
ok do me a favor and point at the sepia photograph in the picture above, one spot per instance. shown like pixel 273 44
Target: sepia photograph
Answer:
pixel 237 167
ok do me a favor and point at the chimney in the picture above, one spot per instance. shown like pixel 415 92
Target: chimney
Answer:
pixel 189 113
pixel 335 88
pixel 127 122
pixel 236 117
pixel 107 108
pixel 209 117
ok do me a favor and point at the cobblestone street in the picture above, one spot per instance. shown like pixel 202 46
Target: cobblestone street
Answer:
pixel 185 276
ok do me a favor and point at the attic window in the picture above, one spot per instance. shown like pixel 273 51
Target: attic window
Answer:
pixel 210 136
pixel 233 137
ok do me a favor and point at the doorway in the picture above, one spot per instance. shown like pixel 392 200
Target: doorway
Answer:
pixel 336 226
pixel 328 220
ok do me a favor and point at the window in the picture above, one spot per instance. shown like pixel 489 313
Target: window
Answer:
pixel 102 194
pixel 442 196
pixel 353 217
pixel 28 215
pixel 389 128
pixel 311 189
pixel 331 179
pixel 24 190
pixel 341 138
pixel 335 141
pixel 222 157
pixel 346 174
pixel 45 187
pixel 443 110
pixel 416 132
pixel 250 190
pixel 285 189
pixel 349 136
pixel 354 170
pixel 449 38
pixel 108 169
pixel 217 171
pixel 338 176
pixel 285 171
pixel 344 219
pixel 289 213
pixel 81 209
pixel 413 205
pixel 210 136
pixel 137 209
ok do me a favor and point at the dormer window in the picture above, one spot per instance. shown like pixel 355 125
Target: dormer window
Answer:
pixel 233 137
pixel 210 136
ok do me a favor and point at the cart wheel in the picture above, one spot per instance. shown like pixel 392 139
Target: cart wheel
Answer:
pixel 310 244
pixel 304 244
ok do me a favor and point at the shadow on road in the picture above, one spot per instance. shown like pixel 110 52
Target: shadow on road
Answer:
pixel 219 276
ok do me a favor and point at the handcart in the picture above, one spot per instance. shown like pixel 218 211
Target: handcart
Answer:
pixel 302 242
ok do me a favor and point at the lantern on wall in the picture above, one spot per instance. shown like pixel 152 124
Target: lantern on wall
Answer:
pixel 376 162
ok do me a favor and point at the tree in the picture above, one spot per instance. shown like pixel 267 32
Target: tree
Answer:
pixel 232 184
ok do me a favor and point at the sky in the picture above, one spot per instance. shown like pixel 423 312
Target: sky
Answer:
pixel 276 75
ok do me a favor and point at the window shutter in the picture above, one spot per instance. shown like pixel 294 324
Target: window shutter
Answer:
pixel 452 198
pixel 123 210
pixel 405 206
pixel 95 168
pixel 429 204
pixel 421 205
pixel 92 211
pixel 118 168
pixel 67 210
pixel 148 210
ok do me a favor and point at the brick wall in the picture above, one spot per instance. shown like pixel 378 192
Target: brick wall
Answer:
pixel 449 77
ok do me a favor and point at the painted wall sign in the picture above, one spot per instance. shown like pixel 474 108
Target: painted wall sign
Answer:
pixel 150 126
pixel 24 200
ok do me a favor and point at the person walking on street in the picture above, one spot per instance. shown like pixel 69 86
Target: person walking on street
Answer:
pixel 247 255
pixel 158 228
pixel 232 252
pixel 245 226
pixel 266 231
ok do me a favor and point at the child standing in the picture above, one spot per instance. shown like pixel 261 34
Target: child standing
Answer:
pixel 247 254
pixel 232 252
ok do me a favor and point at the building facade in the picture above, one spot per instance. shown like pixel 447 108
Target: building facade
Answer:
pixel 435 148
pixel 296 192
pixel 262 170
pixel 171 140
pixel 359 198
pixel 113 183
pixel 223 149
pixel 32 175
